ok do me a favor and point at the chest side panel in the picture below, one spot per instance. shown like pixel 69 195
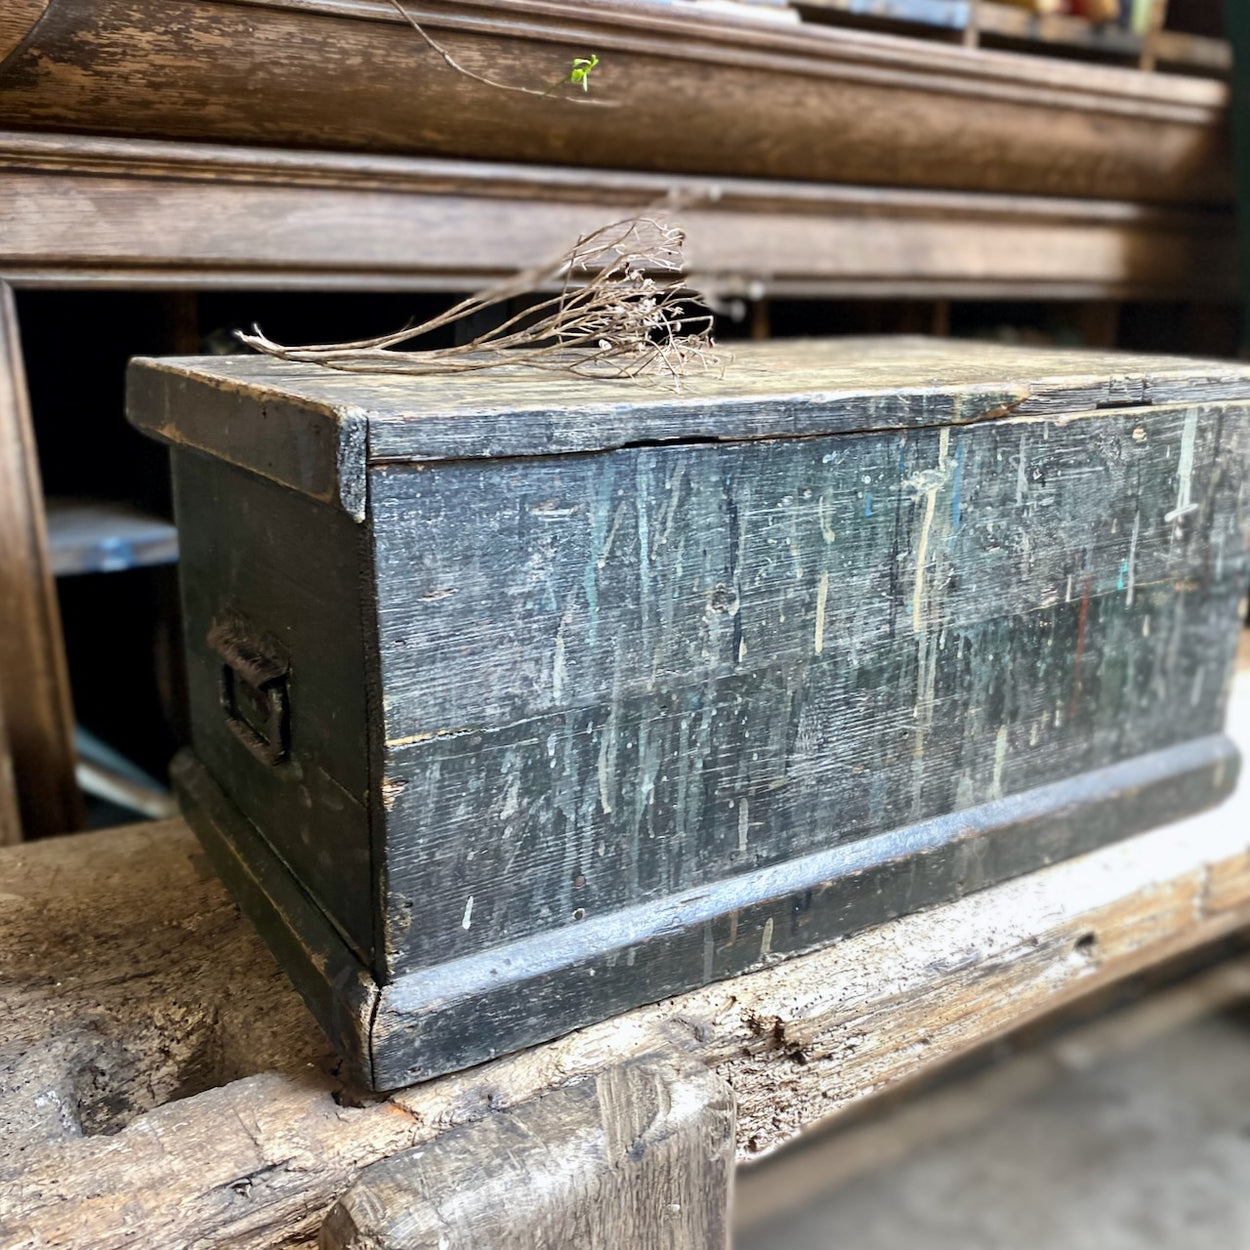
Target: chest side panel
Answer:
pixel 272 592
pixel 611 677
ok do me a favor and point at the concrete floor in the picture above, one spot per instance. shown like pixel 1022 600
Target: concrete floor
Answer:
pixel 1146 1151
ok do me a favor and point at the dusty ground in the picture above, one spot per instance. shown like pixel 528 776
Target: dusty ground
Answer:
pixel 1146 1151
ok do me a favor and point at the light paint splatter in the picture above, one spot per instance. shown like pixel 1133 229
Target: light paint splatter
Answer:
pixel 1132 561
pixel 822 598
pixel 1000 758
pixel 557 666
pixel 1185 471
pixel 467 918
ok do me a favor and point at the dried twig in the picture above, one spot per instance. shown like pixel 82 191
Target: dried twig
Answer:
pixel 490 82
pixel 621 321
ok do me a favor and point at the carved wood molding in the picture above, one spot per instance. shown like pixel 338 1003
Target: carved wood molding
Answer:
pixel 689 92
pixel 77 210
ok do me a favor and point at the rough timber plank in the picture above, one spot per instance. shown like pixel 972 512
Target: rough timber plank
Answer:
pixel 640 1155
pixel 81 209
pixel 255 1164
pixel 34 683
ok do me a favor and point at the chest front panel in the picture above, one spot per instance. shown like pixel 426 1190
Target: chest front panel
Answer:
pixel 612 676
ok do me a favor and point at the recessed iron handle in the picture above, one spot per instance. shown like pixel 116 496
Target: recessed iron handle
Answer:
pixel 253 689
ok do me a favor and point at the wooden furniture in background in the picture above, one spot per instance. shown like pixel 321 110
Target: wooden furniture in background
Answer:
pixel 10 815
pixel 96 536
pixel 80 211
pixel 1018 26
pixel 34 686
pixel 678 90
pixel 1239 36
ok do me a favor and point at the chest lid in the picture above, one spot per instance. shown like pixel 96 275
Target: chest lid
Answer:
pixel 317 430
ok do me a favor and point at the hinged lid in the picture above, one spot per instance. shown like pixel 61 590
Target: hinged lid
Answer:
pixel 318 430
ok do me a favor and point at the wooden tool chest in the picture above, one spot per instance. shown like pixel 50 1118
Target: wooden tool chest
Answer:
pixel 521 700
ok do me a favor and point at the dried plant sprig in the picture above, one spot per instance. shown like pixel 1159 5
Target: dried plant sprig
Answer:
pixel 579 74
pixel 621 309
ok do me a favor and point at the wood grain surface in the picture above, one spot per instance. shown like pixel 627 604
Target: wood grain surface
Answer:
pixel 752 99
pixel 639 1155
pixel 85 209
pixel 34 683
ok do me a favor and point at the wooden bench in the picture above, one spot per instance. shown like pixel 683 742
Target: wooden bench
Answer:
pixel 163 1086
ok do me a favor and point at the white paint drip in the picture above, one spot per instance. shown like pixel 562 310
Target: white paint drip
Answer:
pixel 822 598
pixel 557 666
pixel 826 528
pixel 607 765
pixel 557 663
pixel 1000 758
pixel 766 940
pixel 1132 561
pixel 1185 470
pixel 467 918
pixel 744 817
pixel 926 659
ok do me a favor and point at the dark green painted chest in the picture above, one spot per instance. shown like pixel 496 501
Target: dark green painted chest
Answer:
pixel 521 701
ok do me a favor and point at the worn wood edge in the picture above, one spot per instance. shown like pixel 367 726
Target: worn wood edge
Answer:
pixel 127 980
pixel 17 19
pixel 185 401
pixel 34 676
pixel 254 1164
pixel 318 450
pixel 782 1182
pixel 639 1154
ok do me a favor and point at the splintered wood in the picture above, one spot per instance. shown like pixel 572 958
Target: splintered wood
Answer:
pixel 129 981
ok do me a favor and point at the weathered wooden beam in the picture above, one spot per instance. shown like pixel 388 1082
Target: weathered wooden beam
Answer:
pixel 757 99
pixel 77 210
pixel 639 1155
pixel 129 979
pixel 34 683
